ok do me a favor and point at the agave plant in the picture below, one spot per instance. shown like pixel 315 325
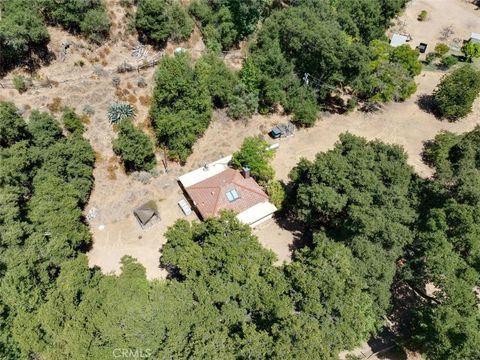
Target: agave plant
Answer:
pixel 120 111
pixel 88 110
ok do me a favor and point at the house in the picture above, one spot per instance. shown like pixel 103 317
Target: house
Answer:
pixel 475 38
pixel 217 187
pixel 398 40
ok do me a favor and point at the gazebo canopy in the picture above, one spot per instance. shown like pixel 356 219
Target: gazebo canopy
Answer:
pixel 146 213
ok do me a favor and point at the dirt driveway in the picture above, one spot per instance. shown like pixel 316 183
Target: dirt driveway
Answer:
pixel 398 123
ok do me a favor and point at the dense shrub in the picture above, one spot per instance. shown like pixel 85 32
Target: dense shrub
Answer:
pixel 430 57
pixel 12 126
pixel 182 105
pixel 20 83
pixel 255 155
pixel 224 23
pixel 389 82
pixel 442 49
pixel 276 192
pixel 407 57
pixel 72 121
pixel 448 61
pixel 22 32
pixel 95 25
pixel 455 94
pixel 44 129
pixel 134 147
pixel 88 18
pixel 471 51
pixel 437 152
pixel 220 81
pixel 161 20
pixel 423 15
pixel 242 104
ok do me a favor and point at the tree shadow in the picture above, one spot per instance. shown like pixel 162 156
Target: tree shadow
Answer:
pixel 302 236
pixel 371 107
pixel 427 103
pixel 425 155
pixel 394 353
pixel 37 57
pixel 335 105
pixel 404 299
pixel 385 346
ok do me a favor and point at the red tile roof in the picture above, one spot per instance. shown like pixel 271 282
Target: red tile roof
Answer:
pixel 209 195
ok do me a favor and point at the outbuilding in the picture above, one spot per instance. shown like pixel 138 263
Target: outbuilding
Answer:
pixel 146 214
pixel 475 38
pixel 398 40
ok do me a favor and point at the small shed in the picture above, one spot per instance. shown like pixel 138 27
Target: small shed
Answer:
pixel 282 130
pixel 398 40
pixel 475 38
pixel 146 214
pixel 422 47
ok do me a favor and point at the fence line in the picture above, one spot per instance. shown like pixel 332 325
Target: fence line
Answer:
pixel 7 83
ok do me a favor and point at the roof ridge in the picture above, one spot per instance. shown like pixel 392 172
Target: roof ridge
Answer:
pixel 217 204
pixel 204 187
pixel 262 193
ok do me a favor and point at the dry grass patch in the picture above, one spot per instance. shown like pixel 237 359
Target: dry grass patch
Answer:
pixel 147 127
pixel 132 99
pixel 85 119
pixel 145 100
pixel 112 168
pixel 98 157
pixel 55 105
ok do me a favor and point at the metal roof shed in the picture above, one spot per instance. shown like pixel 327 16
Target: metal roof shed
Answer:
pixel 146 213
pixel 475 38
pixel 398 40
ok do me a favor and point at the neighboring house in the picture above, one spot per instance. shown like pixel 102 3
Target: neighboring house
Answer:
pixel 217 187
pixel 475 38
pixel 398 40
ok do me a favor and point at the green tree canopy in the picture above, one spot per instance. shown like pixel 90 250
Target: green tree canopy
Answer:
pixel 134 147
pixel 220 80
pixel 471 51
pixel 255 155
pixel 88 18
pixel 162 20
pixel 22 31
pixel 446 254
pixel 44 128
pixel 359 192
pixel 182 105
pixel 225 22
pixel 455 94
pixel 12 126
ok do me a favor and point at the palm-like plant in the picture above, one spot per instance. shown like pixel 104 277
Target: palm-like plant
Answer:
pixel 120 111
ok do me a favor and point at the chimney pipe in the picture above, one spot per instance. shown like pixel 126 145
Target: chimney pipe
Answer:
pixel 246 172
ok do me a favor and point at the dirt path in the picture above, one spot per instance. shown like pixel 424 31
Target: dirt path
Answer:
pixel 399 123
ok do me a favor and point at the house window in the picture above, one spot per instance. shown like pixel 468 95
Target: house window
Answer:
pixel 232 195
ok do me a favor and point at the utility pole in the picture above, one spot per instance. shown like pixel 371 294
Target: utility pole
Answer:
pixel 165 159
